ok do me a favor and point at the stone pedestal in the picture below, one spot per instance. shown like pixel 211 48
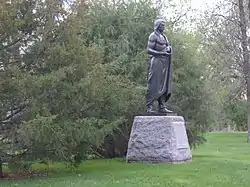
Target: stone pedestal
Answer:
pixel 158 139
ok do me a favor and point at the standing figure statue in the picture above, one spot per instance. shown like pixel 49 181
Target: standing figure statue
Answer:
pixel 159 87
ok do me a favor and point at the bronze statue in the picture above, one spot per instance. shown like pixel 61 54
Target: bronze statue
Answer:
pixel 159 87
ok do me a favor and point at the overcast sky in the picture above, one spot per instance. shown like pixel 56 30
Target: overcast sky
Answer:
pixel 203 4
pixel 181 6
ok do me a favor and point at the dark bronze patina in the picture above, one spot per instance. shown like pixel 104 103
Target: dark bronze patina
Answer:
pixel 159 87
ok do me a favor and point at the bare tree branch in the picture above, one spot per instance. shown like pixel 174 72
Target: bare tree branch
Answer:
pixel 14 42
pixel 227 18
pixel 179 18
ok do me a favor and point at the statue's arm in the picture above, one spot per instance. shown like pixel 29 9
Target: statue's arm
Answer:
pixel 169 47
pixel 151 43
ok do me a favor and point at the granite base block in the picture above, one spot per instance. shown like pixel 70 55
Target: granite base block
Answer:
pixel 158 139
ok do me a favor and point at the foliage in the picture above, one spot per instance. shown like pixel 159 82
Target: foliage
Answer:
pixel 237 111
pixel 221 35
pixel 123 34
pixel 78 77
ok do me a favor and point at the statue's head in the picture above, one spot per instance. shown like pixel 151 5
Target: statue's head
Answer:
pixel 159 25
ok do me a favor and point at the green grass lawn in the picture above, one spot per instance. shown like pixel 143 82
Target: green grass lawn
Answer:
pixel 224 161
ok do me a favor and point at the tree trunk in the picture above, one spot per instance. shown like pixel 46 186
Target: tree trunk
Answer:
pixel 248 83
pixel 248 110
pixel 1 169
pixel 248 13
pixel 246 67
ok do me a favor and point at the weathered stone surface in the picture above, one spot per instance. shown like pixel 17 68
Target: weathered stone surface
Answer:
pixel 158 139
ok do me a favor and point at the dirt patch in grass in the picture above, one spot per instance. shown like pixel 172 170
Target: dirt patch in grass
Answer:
pixel 23 175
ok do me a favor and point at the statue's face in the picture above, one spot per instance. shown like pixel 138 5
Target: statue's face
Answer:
pixel 161 27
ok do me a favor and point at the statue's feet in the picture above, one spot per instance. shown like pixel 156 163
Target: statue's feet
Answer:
pixel 163 109
pixel 151 110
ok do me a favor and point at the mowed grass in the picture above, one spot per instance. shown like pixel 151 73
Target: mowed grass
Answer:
pixel 224 161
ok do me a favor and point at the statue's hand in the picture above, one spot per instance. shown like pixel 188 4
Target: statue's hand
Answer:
pixel 169 49
pixel 167 53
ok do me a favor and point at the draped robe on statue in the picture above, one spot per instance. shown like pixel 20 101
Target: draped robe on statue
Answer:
pixel 159 71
